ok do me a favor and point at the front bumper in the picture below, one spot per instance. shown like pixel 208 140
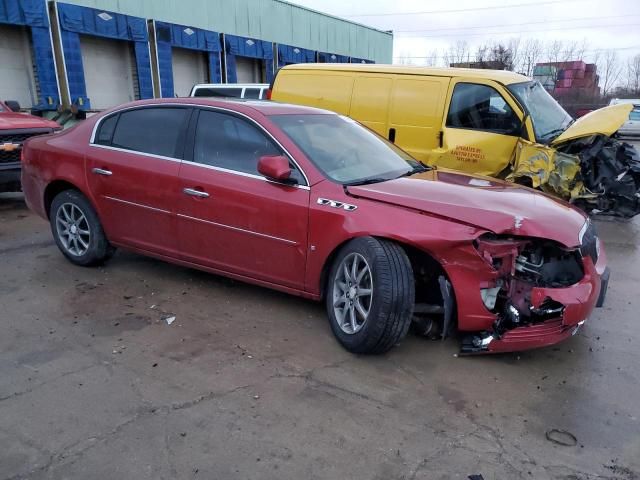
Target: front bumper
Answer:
pixel 578 300
pixel 469 273
pixel 10 177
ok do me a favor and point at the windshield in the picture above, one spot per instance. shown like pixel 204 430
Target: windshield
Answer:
pixel 634 115
pixel 344 150
pixel 2 107
pixel 548 117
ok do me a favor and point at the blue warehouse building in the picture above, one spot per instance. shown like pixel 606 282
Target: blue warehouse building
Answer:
pixel 89 55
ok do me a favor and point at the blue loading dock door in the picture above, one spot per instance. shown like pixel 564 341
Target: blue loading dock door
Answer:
pixel 247 60
pixel 361 60
pixel 288 55
pixel 170 36
pixel 324 57
pixel 28 74
pixel 100 32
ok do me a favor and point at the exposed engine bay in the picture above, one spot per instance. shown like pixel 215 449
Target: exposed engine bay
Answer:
pixel 520 265
pixel 610 174
pixel 599 174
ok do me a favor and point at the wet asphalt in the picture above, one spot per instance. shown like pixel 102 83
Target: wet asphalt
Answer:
pixel 248 383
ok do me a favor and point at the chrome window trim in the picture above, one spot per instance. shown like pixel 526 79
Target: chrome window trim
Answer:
pixel 238 229
pixel 209 107
pixel 244 174
pixel 135 152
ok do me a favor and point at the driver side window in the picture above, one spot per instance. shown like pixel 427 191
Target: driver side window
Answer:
pixel 227 141
pixel 480 107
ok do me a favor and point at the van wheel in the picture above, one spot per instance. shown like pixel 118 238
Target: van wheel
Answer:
pixel 370 295
pixel 77 229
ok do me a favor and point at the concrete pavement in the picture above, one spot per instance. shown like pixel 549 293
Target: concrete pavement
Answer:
pixel 248 383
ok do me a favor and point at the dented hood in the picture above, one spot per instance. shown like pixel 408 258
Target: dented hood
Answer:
pixel 604 121
pixel 487 203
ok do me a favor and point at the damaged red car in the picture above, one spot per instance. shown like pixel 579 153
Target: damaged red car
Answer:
pixel 314 204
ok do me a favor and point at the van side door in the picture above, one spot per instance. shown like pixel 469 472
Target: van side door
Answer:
pixel 481 127
pixel 370 102
pixel 415 113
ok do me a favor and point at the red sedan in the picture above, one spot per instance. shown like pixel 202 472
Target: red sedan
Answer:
pixel 314 204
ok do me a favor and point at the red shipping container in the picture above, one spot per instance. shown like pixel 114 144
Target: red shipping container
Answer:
pixel 560 91
pixel 566 83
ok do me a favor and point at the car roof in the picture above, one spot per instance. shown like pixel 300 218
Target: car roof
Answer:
pixel 502 76
pixel 265 107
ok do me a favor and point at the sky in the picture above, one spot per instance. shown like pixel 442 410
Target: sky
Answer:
pixel 422 26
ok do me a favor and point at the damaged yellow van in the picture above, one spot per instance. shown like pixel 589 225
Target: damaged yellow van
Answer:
pixel 489 122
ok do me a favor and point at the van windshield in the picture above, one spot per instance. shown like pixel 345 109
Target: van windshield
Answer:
pixel 344 150
pixel 548 117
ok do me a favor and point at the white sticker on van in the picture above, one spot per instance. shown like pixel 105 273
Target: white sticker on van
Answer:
pixel 478 182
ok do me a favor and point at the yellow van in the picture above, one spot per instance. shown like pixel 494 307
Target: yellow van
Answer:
pixel 489 122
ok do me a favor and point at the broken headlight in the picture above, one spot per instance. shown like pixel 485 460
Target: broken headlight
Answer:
pixel 589 241
pixel 538 262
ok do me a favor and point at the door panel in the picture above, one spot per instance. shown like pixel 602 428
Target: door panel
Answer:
pixel 480 128
pixel 132 173
pixel 370 102
pixel 136 200
pixel 230 217
pixel 417 106
pixel 246 226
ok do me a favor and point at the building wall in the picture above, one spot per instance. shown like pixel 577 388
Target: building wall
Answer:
pixel 272 20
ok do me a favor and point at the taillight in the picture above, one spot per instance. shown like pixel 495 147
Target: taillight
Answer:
pixel 268 94
pixel 22 155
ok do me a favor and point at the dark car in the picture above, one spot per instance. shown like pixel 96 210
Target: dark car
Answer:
pixel 314 204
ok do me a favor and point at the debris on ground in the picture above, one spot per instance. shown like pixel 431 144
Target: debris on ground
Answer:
pixel 562 437
pixel 170 320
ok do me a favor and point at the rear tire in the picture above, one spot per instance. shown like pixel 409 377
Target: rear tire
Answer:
pixel 77 229
pixel 370 295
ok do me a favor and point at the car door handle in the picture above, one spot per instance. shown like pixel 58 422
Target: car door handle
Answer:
pixel 195 193
pixel 102 171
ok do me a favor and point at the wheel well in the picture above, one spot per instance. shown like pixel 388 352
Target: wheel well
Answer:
pixel 426 271
pixel 53 189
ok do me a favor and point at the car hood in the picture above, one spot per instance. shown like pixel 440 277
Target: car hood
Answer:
pixel 604 121
pixel 15 121
pixel 484 202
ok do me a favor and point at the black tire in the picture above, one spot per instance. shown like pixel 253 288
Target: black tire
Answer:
pixel 98 248
pixel 392 296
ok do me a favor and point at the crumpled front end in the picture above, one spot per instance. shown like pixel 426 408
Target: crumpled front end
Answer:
pixel 599 174
pixel 525 293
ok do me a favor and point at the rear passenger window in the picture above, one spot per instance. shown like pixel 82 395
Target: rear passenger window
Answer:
pixel 229 142
pixel 480 107
pixel 252 93
pixel 105 132
pixel 151 130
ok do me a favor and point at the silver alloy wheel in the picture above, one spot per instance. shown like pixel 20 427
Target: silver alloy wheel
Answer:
pixel 352 293
pixel 73 229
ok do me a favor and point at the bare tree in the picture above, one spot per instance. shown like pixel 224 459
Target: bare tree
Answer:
pixel 514 47
pixel 633 75
pixel 457 53
pixel 530 54
pixel 432 58
pixel 610 68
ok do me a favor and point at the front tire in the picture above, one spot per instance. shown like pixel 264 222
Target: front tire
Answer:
pixel 77 229
pixel 370 295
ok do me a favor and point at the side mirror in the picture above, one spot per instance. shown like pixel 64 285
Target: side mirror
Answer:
pixel 275 167
pixel 13 105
